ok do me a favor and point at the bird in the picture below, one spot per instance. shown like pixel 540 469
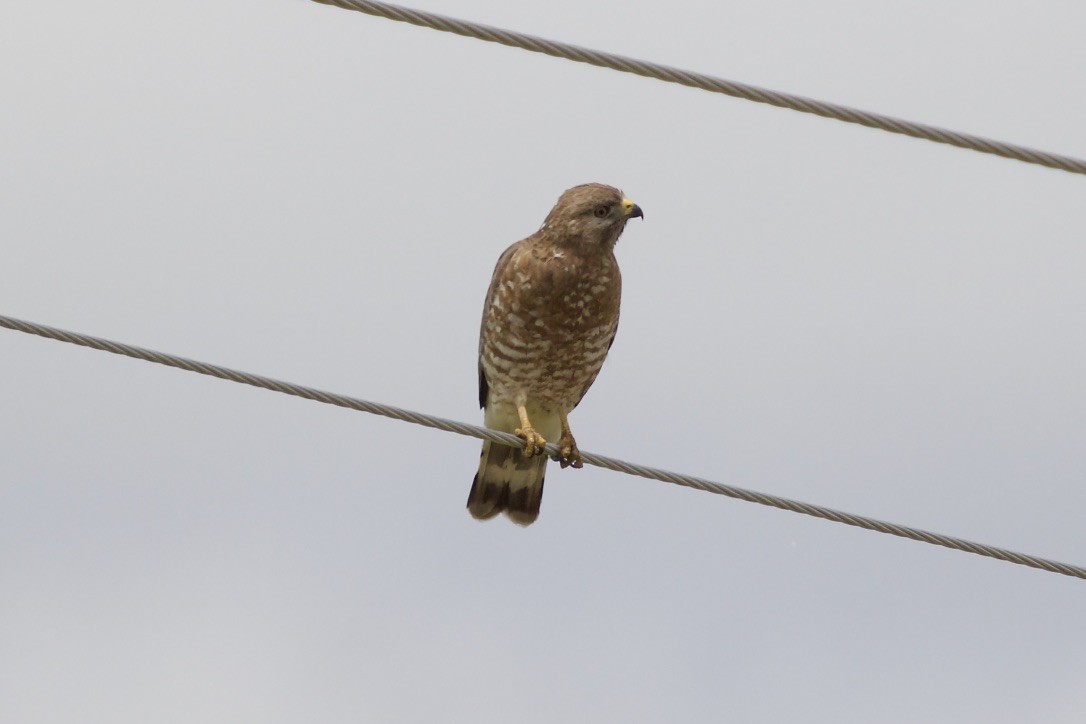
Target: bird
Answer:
pixel 549 319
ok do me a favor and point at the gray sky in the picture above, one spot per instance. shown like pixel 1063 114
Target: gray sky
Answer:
pixel 820 311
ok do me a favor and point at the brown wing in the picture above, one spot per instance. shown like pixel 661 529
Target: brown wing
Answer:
pixel 495 280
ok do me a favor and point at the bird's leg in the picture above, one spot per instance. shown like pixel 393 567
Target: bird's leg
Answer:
pixel 568 454
pixel 533 441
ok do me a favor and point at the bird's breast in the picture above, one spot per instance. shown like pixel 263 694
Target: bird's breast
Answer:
pixel 549 324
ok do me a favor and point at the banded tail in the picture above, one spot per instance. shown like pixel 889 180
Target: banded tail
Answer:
pixel 507 482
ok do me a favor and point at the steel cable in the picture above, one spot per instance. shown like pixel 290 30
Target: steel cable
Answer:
pixel 711 83
pixel 483 433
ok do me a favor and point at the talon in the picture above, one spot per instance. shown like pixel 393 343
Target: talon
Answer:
pixel 534 443
pixel 569 455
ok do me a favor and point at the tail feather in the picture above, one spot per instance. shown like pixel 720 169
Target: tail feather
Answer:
pixel 507 482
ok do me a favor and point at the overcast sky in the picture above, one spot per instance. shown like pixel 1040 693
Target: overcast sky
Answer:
pixel 865 321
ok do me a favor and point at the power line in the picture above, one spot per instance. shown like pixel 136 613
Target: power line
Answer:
pixel 483 433
pixel 711 84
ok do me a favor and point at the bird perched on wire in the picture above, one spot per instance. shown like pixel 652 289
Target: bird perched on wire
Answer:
pixel 550 317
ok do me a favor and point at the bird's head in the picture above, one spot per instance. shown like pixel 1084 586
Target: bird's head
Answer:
pixel 590 214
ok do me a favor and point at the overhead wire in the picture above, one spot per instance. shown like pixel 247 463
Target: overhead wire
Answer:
pixel 504 438
pixel 711 83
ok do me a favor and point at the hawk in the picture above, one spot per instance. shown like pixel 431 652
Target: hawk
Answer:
pixel 549 319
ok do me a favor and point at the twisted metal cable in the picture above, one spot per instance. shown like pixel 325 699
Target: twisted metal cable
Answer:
pixel 711 84
pixel 505 438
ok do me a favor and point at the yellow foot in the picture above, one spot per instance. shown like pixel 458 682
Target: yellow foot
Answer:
pixel 533 441
pixel 568 454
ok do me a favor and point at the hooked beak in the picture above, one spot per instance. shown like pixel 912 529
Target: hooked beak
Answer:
pixel 632 209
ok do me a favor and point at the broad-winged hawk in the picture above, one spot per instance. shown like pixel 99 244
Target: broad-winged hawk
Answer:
pixel 550 316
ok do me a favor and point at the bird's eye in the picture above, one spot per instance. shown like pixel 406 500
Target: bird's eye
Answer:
pixel 602 211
